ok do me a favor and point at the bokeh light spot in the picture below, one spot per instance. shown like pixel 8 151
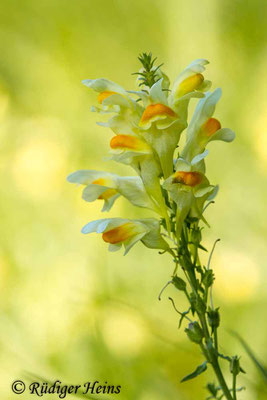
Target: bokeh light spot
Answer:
pixel 237 276
pixel 123 333
pixel 39 167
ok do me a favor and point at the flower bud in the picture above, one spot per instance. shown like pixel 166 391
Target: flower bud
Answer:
pixel 234 365
pixel 208 278
pixel 194 332
pixel 213 318
pixel 179 283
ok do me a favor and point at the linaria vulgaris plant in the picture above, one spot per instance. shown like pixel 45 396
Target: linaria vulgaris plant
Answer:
pixel 147 126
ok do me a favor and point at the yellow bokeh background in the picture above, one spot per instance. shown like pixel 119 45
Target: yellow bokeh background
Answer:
pixel 70 310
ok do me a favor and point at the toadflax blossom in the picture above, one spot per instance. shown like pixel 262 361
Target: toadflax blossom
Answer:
pixel 189 189
pixel 136 152
pixel 126 232
pixel 112 98
pixel 203 128
pixel 171 180
pixel 190 82
pixel 108 187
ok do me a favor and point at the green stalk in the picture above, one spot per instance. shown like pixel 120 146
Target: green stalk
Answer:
pixel 209 354
pixel 234 386
pixel 213 359
pixel 221 380
pixel 215 338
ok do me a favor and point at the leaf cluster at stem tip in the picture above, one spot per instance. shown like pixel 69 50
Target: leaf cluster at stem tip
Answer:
pixel 149 73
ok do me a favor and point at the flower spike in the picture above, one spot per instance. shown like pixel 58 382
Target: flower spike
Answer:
pixel 148 124
pixel 170 180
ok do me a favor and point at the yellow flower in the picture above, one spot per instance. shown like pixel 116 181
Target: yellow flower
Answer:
pixel 126 232
pixel 104 95
pixel 105 186
pixel 134 151
pixel 187 178
pixel 189 189
pixel 190 84
pixel 211 126
pixel 120 233
pixel 107 194
pixel 203 128
pixel 154 112
pixel 129 142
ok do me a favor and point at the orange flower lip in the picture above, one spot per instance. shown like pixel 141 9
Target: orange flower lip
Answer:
pixel 190 84
pixel 107 194
pixel 104 95
pixel 187 178
pixel 211 126
pixel 120 234
pixel 156 110
pixel 128 142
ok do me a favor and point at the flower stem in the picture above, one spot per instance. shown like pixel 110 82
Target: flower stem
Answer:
pixel 221 380
pixel 210 348
pixel 216 339
pixel 213 359
pixel 234 386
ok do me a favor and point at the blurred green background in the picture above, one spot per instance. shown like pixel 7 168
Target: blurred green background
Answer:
pixel 69 309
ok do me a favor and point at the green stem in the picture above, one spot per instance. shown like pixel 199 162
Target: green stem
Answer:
pixel 216 339
pixel 187 296
pixel 221 380
pixel 192 280
pixel 234 386
pixel 213 359
pixel 218 372
pixel 204 324
pixel 209 353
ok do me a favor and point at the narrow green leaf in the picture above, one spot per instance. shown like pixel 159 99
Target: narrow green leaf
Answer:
pixel 199 370
pixel 202 247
